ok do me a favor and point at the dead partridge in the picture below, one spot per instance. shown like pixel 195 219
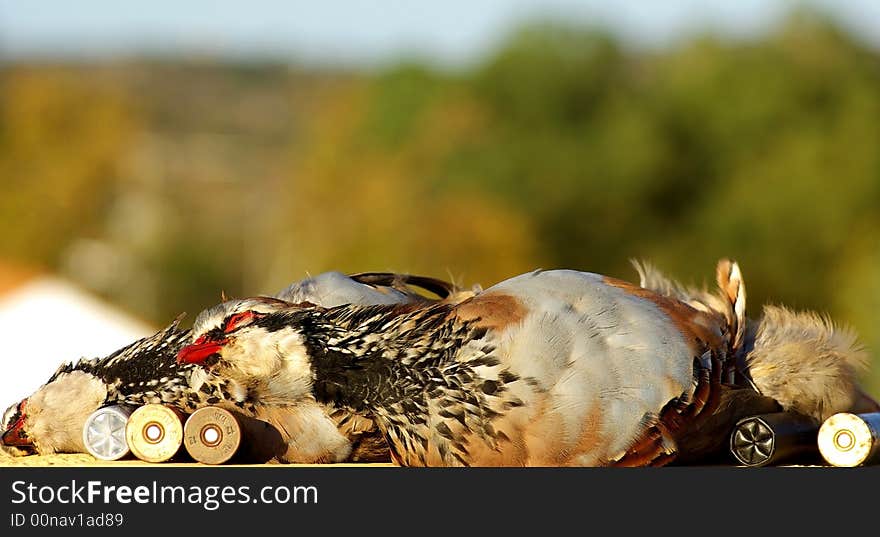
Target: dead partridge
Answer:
pixel 146 371
pixel 549 368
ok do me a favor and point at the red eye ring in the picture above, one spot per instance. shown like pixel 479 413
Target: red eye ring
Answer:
pixel 240 319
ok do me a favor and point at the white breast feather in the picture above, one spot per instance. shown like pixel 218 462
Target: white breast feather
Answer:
pixel 590 343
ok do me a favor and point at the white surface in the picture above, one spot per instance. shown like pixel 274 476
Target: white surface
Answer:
pixel 47 322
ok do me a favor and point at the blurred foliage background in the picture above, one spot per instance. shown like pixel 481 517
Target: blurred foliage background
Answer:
pixel 157 184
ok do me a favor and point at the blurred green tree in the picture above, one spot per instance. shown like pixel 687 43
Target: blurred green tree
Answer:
pixel 564 148
pixel 61 143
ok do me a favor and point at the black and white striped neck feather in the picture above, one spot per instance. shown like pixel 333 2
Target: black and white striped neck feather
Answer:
pixel 146 371
pixel 399 365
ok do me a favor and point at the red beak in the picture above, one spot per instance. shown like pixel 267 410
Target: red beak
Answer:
pixel 15 435
pixel 198 352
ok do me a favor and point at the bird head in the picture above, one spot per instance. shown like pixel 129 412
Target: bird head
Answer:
pixel 13 432
pixel 216 329
pixel 255 343
pixel 52 418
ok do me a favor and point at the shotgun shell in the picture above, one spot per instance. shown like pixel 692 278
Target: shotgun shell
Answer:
pixel 155 432
pixel 847 439
pixel 104 433
pixel 212 435
pixel 769 439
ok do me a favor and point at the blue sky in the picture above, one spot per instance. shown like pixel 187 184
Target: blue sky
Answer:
pixel 358 31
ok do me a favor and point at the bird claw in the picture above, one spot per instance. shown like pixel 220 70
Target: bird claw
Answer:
pixel 656 446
